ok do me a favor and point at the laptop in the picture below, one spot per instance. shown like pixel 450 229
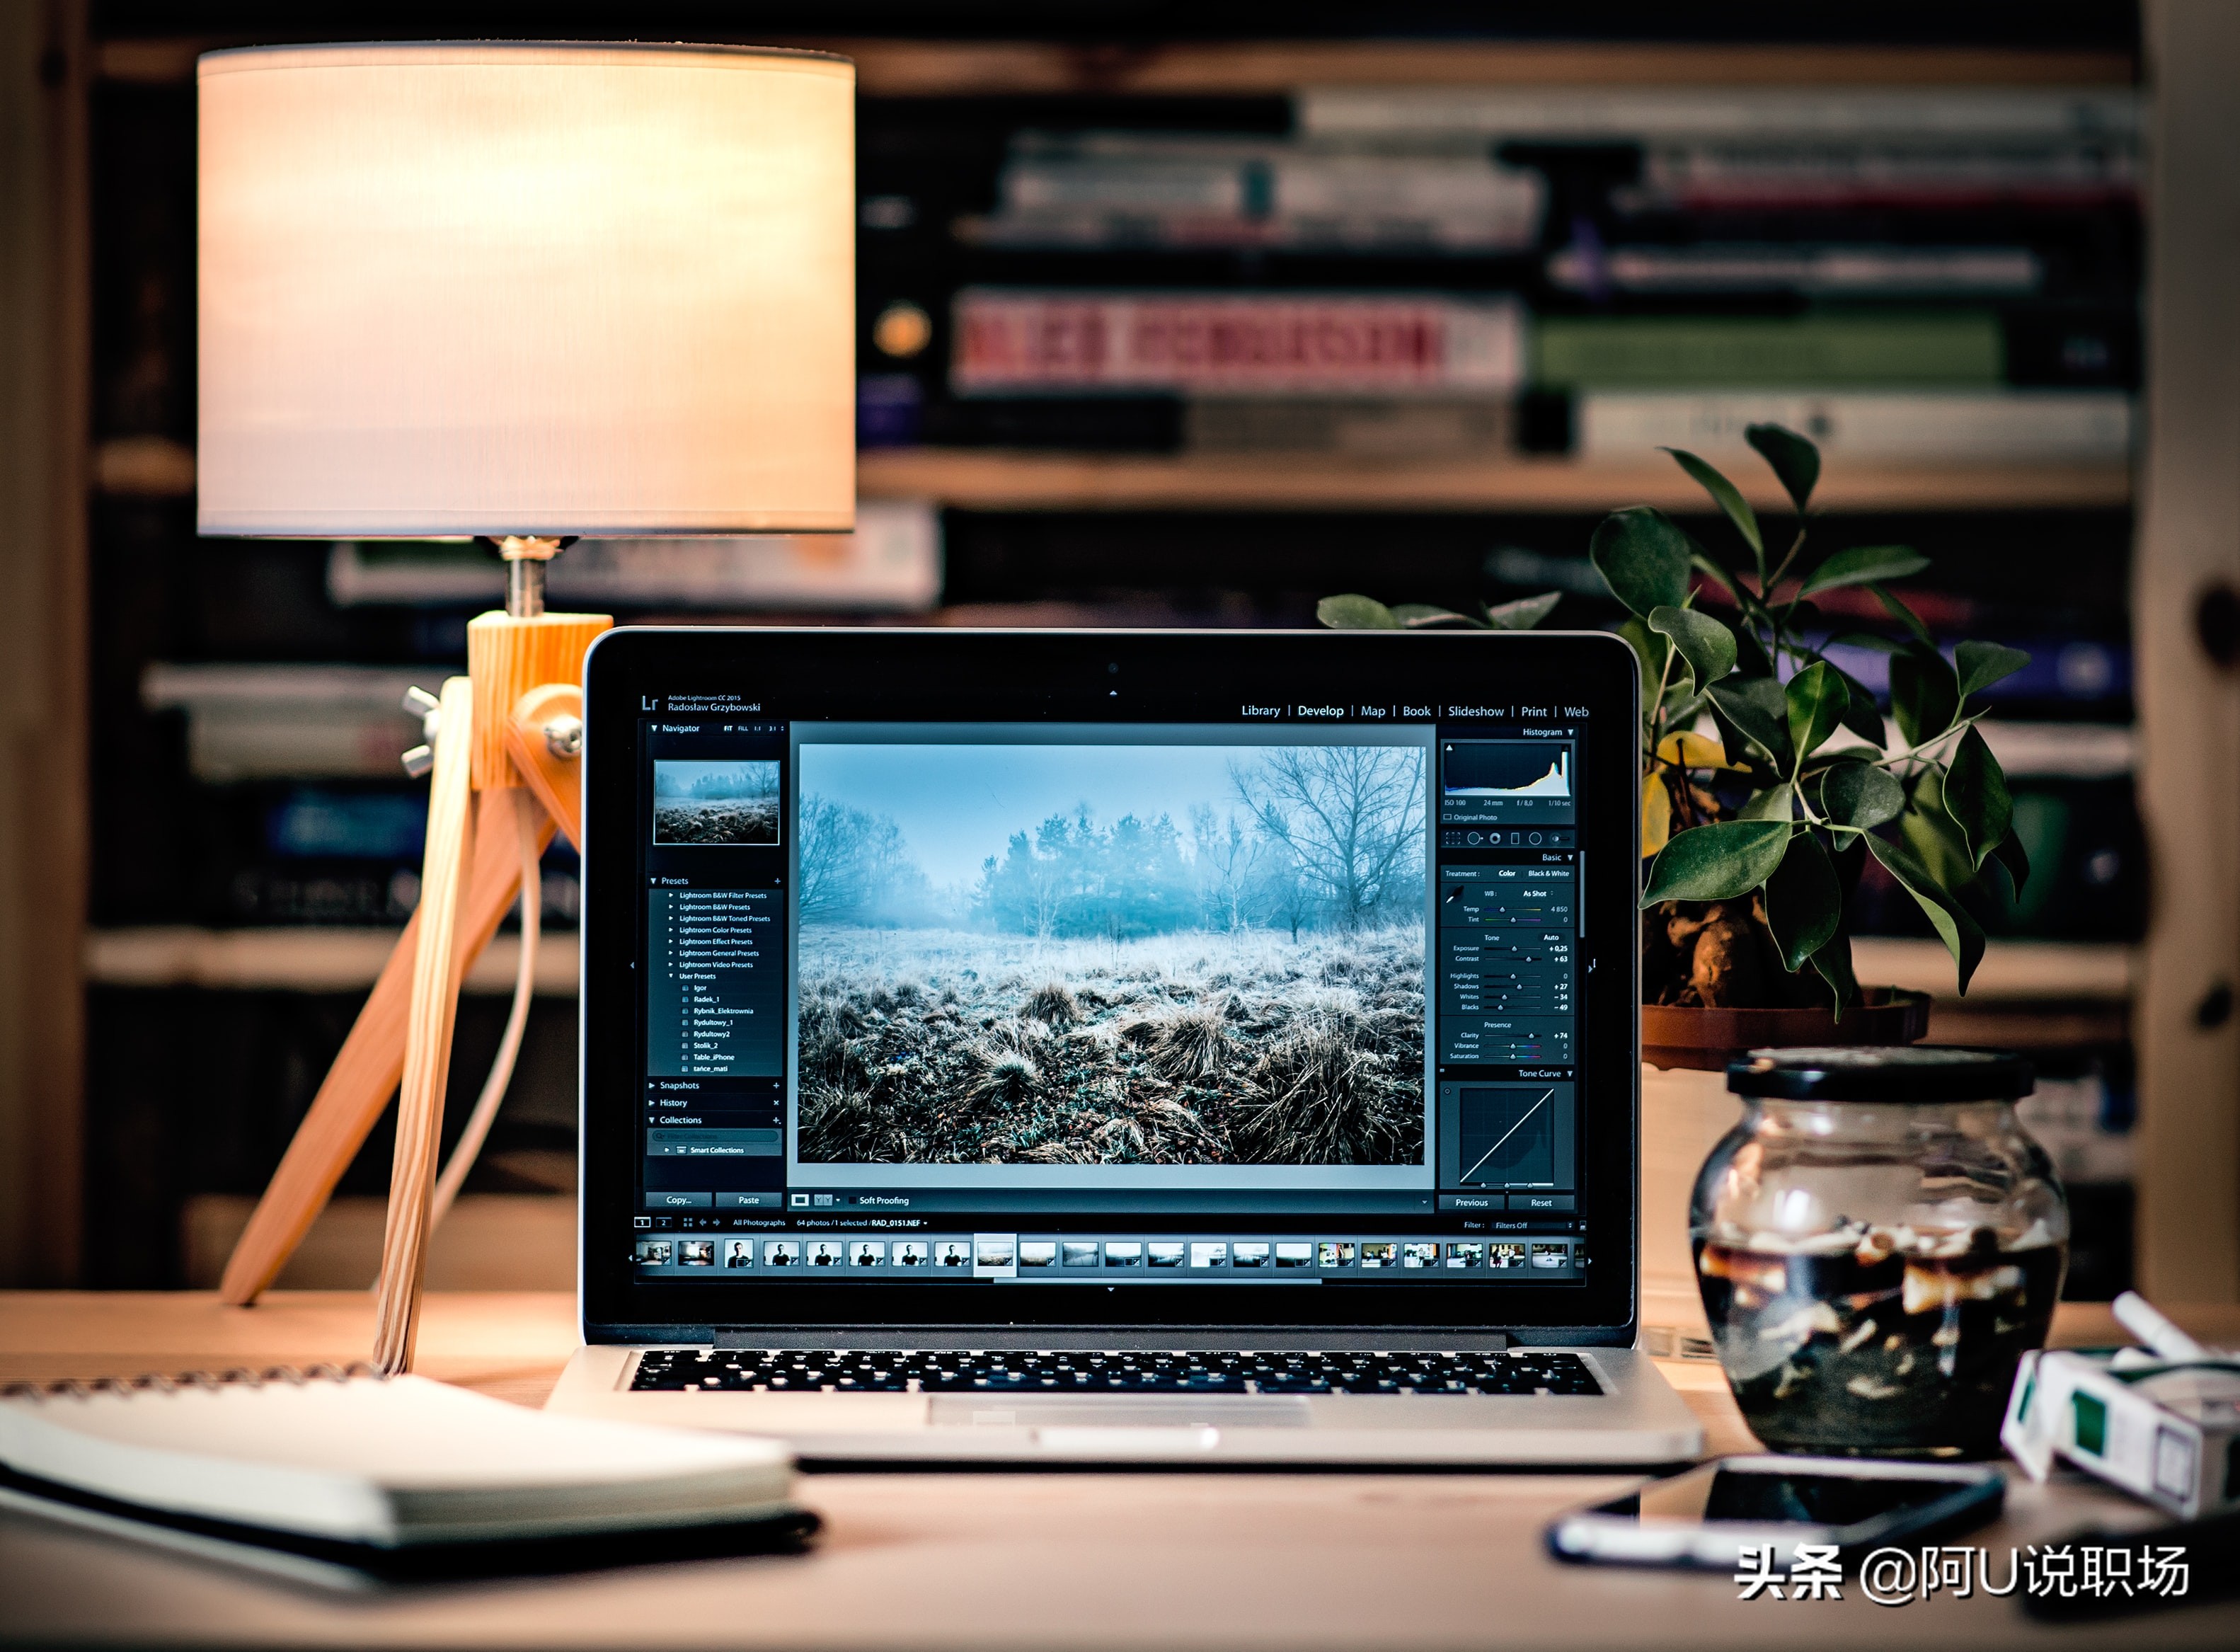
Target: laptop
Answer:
pixel 1091 1047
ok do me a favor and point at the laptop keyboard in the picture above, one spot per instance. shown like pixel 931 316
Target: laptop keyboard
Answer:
pixel 980 1371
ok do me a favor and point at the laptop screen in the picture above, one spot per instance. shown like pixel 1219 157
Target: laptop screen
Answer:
pixel 1280 991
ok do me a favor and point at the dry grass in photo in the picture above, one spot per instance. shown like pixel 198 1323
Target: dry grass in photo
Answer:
pixel 925 1046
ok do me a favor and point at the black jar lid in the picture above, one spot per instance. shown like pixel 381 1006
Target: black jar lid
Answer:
pixel 1876 1073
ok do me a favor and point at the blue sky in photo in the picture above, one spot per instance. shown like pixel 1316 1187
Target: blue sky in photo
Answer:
pixel 958 804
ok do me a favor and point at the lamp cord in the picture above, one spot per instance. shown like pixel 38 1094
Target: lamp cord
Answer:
pixel 508 1047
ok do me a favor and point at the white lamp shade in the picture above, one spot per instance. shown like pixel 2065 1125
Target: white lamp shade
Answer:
pixel 502 289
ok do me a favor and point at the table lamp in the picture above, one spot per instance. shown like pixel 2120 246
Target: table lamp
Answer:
pixel 517 291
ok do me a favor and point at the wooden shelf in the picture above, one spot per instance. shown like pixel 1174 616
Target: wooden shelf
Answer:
pixel 1000 479
pixel 2012 972
pixel 311 959
pixel 1007 479
pixel 998 68
pixel 887 68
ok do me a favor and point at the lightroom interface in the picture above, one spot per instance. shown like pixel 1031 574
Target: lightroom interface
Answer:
pixel 1289 998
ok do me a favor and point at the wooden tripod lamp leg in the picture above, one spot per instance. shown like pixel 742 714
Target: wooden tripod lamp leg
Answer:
pixel 430 1015
pixel 528 712
pixel 356 1089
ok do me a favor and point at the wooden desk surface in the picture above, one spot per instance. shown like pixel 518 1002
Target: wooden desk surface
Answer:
pixel 1227 1562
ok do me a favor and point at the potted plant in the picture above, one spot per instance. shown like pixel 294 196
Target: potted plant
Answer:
pixel 1769 777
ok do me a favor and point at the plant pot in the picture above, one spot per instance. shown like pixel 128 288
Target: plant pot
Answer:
pixel 1686 1111
pixel 1706 1040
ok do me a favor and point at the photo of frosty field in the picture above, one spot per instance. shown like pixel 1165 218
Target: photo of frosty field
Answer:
pixel 1018 955
pixel 715 802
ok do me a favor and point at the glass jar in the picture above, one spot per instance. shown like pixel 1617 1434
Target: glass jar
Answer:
pixel 1877 1242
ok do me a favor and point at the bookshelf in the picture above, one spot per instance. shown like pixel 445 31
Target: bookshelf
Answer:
pixel 982 479
pixel 995 68
pixel 306 958
pixel 1249 510
pixel 997 479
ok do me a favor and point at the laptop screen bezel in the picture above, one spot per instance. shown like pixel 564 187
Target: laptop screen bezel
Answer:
pixel 1067 676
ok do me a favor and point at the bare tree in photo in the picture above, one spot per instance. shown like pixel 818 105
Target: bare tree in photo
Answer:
pixel 1046 879
pixel 1352 818
pixel 830 854
pixel 1284 893
pixel 852 864
pixel 1231 857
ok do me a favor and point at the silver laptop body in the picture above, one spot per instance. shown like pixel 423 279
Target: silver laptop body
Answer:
pixel 1115 1047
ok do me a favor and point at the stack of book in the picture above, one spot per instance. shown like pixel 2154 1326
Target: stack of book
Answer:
pixel 1177 190
pixel 1936 276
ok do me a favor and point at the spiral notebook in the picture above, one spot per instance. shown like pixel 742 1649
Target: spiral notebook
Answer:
pixel 397 1476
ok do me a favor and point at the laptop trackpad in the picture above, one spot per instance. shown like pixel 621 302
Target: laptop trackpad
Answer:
pixel 1123 1410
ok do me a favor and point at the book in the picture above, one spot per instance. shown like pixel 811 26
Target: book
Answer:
pixel 891 563
pixel 1095 421
pixel 1960 427
pixel 2100 115
pixel 1935 347
pixel 1815 270
pixel 1387 430
pixel 1015 340
pixel 258 721
pixel 1098 191
pixel 1910 173
pixel 383 1463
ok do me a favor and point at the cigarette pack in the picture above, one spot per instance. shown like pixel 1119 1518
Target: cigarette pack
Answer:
pixel 2163 1430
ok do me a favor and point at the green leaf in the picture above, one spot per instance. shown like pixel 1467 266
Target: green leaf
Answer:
pixel 1925 695
pixel 1930 833
pixel 1775 803
pixel 1816 700
pixel 1794 459
pixel 1833 965
pixel 1423 617
pixel 1708 646
pixel 1903 616
pixel 1524 613
pixel 1984 663
pixel 1716 862
pixel 1352 613
pixel 1962 935
pixel 1729 498
pixel 2010 854
pixel 1858 794
pixel 1803 904
pixel 1860 716
pixel 1643 558
pixel 1649 651
pixel 1757 706
pixel 1864 566
pixel 1975 797
pixel 1751 657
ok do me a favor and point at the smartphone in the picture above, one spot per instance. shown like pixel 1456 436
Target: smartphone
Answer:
pixel 1708 1516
